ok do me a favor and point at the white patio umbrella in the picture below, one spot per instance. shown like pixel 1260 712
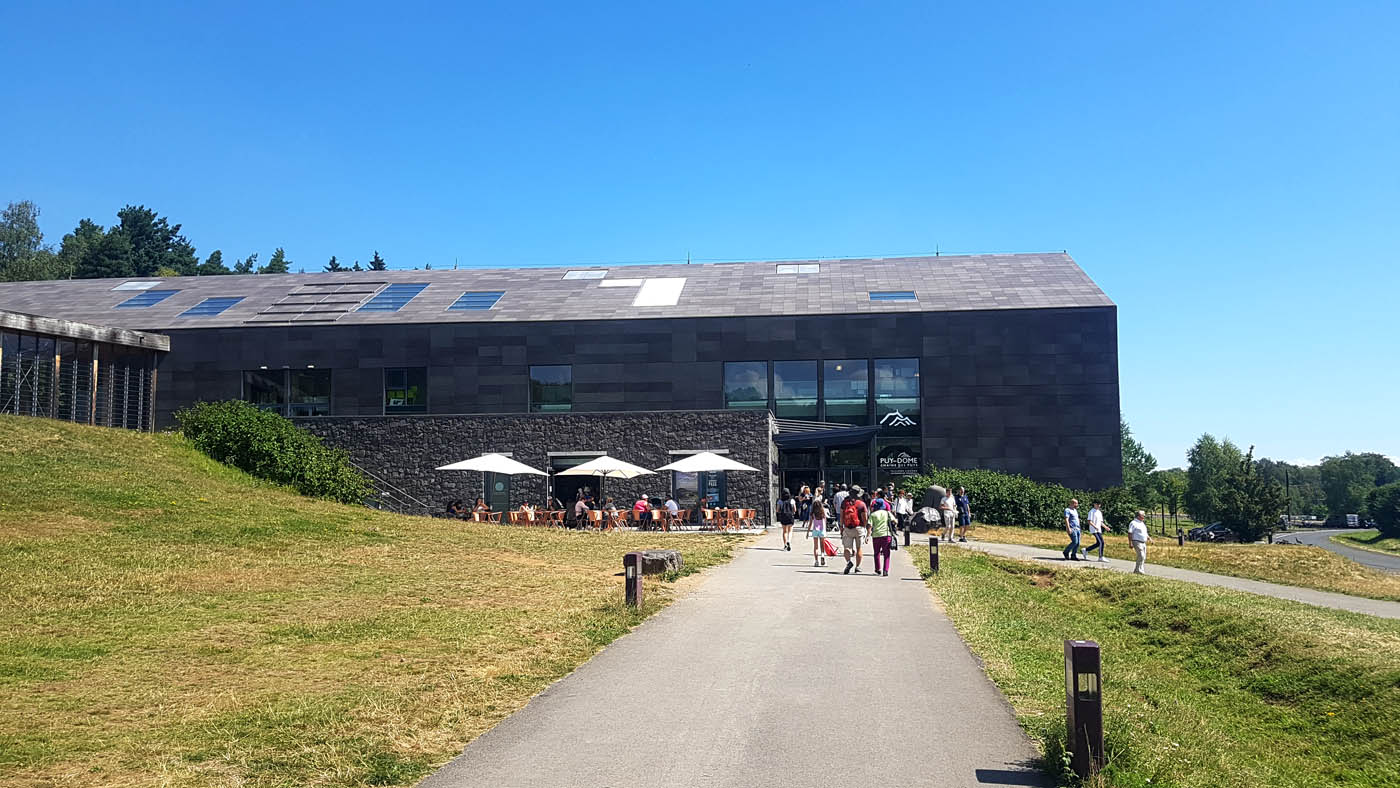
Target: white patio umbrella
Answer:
pixel 492 463
pixel 705 461
pixel 605 466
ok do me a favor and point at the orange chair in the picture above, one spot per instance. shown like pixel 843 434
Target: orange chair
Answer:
pixel 707 518
pixel 617 520
pixel 555 518
pixel 595 518
pixel 733 519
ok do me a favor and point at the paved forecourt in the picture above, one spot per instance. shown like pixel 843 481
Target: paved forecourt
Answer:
pixel 1355 604
pixel 773 673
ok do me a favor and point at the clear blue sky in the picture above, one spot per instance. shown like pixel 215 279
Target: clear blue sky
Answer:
pixel 1228 173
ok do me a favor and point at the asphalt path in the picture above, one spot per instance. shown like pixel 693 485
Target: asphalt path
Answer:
pixel 1381 561
pixel 772 672
pixel 1355 604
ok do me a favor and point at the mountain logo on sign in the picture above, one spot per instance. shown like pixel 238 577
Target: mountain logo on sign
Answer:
pixel 896 419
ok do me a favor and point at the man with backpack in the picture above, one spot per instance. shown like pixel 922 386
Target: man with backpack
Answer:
pixel 853 523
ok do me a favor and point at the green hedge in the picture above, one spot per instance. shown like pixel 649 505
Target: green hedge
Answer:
pixel 270 447
pixel 1008 499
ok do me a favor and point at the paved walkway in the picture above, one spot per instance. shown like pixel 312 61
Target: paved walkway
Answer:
pixel 771 673
pixel 1371 558
pixel 1356 604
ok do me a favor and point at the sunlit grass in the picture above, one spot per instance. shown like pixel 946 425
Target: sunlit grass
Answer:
pixel 1296 565
pixel 167 620
pixel 1369 539
pixel 1203 687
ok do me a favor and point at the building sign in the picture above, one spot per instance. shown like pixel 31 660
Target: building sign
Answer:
pixel 898 459
pixel 897 416
pixel 896 419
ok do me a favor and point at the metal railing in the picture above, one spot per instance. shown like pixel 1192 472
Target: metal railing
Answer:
pixel 390 496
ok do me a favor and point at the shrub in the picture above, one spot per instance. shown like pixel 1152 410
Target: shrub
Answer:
pixel 1383 506
pixel 271 447
pixel 1009 499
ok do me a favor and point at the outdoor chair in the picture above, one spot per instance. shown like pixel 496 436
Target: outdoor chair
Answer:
pixel 747 517
pixel 595 518
pixel 732 518
pixel 555 519
pixel 617 520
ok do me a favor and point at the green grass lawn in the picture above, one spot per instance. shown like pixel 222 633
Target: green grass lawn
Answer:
pixel 1203 687
pixel 1369 539
pixel 1296 565
pixel 165 620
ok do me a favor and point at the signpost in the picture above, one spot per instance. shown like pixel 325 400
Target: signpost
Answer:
pixel 1084 706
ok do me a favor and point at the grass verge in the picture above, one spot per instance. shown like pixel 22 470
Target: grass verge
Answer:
pixel 1294 565
pixel 168 620
pixel 1369 539
pixel 1203 687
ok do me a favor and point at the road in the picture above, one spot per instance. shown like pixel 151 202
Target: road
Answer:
pixel 771 673
pixel 1382 561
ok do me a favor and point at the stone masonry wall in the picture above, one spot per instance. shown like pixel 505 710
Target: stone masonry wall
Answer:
pixel 404 450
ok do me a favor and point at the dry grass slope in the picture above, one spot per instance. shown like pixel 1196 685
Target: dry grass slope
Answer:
pixel 168 620
pixel 1203 687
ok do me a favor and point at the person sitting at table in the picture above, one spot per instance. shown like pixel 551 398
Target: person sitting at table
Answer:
pixel 480 508
pixel 609 506
pixel 581 512
pixel 457 509
pixel 642 511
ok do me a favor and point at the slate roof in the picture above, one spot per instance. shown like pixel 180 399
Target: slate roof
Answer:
pixel 946 283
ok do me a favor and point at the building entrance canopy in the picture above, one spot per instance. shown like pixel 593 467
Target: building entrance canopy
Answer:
pixel 850 436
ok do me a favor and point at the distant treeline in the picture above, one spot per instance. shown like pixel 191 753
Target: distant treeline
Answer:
pixel 140 243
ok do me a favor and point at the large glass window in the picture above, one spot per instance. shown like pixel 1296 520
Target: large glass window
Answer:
pixel 310 392
pixel 290 392
pixel 795 390
pixel 551 389
pixel 846 390
pixel 746 384
pixel 897 396
pixel 406 390
pixel 266 389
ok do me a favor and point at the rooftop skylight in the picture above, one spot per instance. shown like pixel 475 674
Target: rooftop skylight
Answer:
pixel 892 295
pixel 480 300
pixel 799 268
pixel 660 292
pixel 211 307
pixel 136 285
pixel 148 298
pixel 393 297
pixel 586 274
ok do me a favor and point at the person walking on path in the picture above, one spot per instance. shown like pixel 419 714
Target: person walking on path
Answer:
pixel 817 529
pixel 882 535
pixel 787 514
pixel 1071 552
pixel 964 514
pixel 804 507
pixel 1137 535
pixel 1096 531
pixel 903 509
pixel 840 497
pixel 948 509
pixel 853 522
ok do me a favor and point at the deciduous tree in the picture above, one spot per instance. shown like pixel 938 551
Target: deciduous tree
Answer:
pixel 23 255
pixel 1210 460
pixel 1347 479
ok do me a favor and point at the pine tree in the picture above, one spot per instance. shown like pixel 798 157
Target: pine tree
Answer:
pixel 378 264
pixel 277 264
pixel 213 265
pixel 334 265
pixel 356 266
pixel 247 265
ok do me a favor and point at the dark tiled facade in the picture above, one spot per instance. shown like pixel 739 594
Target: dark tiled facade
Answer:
pixel 1032 391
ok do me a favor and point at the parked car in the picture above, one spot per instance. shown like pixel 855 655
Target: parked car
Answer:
pixel 1215 532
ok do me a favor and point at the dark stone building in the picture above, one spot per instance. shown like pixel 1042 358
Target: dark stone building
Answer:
pixel 870 369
